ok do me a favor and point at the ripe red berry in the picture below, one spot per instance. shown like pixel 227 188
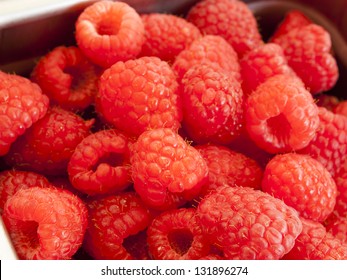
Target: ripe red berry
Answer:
pixel 167 35
pixel 139 94
pixel 302 183
pixel 45 223
pixel 161 161
pixel 307 50
pixel 248 224
pixel 112 220
pixel 281 115
pixel 177 235
pixel 21 104
pixel 48 145
pixel 108 32
pixel 212 104
pixel 208 49
pixel 13 180
pixel 67 77
pixel 233 20
pixel 341 183
pixel 329 146
pixel 100 163
pixel 226 166
pixel 341 108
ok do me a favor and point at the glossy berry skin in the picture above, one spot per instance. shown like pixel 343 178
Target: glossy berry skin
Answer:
pixel 162 162
pixel 281 115
pixel 212 105
pixel 21 105
pixel 261 63
pixel 315 243
pixel 48 145
pixel 45 223
pixel 207 49
pixel 108 32
pixel 112 220
pixel 100 163
pixel 302 183
pixel 177 235
pixel 307 50
pixel 67 77
pixel 167 35
pixel 139 94
pixel 226 166
pixel 13 180
pixel 233 20
pixel 248 224
pixel 329 146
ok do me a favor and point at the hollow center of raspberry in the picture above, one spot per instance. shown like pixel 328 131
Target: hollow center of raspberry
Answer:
pixel 180 240
pixel 29 235
pixel 77 78
pixel 109 26
pixel 279 128
pixel 112 159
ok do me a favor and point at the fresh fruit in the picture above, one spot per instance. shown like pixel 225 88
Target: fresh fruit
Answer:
pixel 45 223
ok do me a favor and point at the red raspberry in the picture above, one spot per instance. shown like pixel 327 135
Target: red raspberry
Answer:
pixel 307 51
pixel 341 108
pixel 302 183
pixel 292 20
pixel 112 220
pixel 341 184
pixel 21 104
pixel 329 146
pixel 67 78
pixel 226 166
pixel 45 223
pixel 261 63
pixel 208 49
pixel 281 115
pixel 13 180
pixel 212 104
pixel 136 245
pixel 337 226
pixel 161 161
pixel 48 145
pixel 167 35
pixel 100 163
pixel 108 32
pixel 248 224
pixel 139 94
pixel 314 243
pixel 233 20
pixel 327 101
pixel 177 235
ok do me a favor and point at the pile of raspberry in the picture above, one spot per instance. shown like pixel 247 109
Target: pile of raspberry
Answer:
pixel 158 136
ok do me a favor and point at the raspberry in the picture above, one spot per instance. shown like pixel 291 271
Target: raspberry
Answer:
pixel 261 63
pixel 48 145
pixel 108 32
pixel 139 94
pixel 212 105
pixel 112 220
pixel 226 166
pixel 100 163
pixel 67 78
pixel 160 162
pixel 314 243
pixel 13 180
pixel 248 224
pixel 136 245
pixel 329 146
pixel 302 183
pixel 307 51
pixel 337 226
pixel 341 184
pixel 292 20
pixel 341 108
pixel 233 20
pixel 45 223
pixel 167 35
pixel 281 115
pixel 176 235
pixel 21 104
pixel 207 49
